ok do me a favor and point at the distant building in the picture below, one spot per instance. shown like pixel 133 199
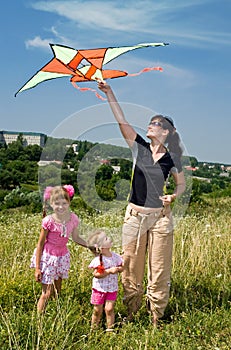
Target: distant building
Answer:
pixel 190 168
pixel 224 174
pixel 116 168
pixel 104 161
pixel 29 138
pixel 48 162
pixel 75 147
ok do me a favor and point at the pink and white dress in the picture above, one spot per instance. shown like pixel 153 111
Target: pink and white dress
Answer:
pixel 55 259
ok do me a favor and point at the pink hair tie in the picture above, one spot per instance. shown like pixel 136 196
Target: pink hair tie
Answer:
pixel 47 193
pixel 70 190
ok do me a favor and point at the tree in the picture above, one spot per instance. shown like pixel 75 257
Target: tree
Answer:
pixel 49 175
pixel 14 150
pixel 125 169
pixel 9 179
pixel 33 152
pixel 104 172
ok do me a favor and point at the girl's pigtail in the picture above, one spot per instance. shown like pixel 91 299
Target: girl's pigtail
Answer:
pixel 46 197
pixel 44 209
pixel 101 267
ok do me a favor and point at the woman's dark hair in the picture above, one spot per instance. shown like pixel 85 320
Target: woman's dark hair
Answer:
pixel 173 138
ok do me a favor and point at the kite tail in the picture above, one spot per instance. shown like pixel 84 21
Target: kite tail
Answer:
pixel 88 89
pixel 147 69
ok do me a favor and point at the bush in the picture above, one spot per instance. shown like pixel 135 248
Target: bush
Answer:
pixel 19 197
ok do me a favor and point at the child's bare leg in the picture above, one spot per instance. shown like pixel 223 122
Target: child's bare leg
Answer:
pixel 110 314
pixel 58 285
pixel 96 316
pixel 47 292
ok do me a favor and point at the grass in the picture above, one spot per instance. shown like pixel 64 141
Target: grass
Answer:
pixel 197 316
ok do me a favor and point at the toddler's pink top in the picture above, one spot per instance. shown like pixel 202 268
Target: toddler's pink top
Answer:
pixel 108 283
pixel 58 234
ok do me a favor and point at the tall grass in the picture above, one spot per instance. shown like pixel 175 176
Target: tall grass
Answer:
pixel 197 317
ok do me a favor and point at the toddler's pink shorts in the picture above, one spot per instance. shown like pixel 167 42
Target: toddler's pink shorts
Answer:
pixel 99 298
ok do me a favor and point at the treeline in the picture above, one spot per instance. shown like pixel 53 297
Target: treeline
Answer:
pixel 26 170
pixel 100 173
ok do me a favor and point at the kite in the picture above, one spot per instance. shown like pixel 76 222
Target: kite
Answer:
pixel 84 65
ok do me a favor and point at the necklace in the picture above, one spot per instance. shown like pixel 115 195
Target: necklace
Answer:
pixel 63 230
pixel 63 224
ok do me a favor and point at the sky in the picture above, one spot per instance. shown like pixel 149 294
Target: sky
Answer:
pixel 193 88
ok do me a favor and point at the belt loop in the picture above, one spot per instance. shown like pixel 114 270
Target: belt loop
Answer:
pixel 133 212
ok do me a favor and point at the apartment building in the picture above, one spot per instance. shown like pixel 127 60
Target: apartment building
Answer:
pixel 29 138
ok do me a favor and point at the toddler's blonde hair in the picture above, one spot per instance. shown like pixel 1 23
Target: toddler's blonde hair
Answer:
pixel 96 238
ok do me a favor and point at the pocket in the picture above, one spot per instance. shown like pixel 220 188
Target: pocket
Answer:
pixel 127 215
pixel 130 228
pixel 131 225
pixel 165 223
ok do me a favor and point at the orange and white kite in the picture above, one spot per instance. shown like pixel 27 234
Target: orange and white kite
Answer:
pixel 84 65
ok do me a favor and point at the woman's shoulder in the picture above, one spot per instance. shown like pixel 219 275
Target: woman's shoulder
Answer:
pixel 139 139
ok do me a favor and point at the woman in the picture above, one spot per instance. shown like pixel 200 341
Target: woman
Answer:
pixel 148 224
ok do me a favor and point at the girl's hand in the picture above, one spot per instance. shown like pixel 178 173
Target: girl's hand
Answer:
pixel 38 275
pixel 113 270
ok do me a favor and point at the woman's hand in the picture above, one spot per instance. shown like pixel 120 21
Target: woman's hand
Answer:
pixel 103 86
pixel 168 199
pixel 93 249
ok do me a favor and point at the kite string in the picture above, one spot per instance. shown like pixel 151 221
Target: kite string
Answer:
pixel 144 70
pixel 88 89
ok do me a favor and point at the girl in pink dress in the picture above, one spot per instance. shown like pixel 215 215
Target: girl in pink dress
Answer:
pixel 51 258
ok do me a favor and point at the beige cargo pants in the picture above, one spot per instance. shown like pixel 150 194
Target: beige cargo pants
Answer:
pixel 147 237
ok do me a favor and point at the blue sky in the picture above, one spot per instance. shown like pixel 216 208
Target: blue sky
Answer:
pixel 194 87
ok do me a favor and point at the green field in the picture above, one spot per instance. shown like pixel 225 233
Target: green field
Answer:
pixel 197 317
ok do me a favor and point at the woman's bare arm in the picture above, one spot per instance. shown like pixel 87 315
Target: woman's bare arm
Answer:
pixel 127 130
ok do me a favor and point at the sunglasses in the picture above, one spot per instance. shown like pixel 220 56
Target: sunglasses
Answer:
pixel 155 123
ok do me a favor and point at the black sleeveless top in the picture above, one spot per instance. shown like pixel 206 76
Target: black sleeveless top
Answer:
pixel 148 177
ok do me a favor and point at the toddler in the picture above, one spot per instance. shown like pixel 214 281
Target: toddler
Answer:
pixel 105 267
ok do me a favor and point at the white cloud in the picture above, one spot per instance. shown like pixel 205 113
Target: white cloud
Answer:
pixel 38 42
pixel 118 15
pixel 164 19
pixel 98 14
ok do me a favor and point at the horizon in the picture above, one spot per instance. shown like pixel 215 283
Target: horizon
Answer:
pixel 117 145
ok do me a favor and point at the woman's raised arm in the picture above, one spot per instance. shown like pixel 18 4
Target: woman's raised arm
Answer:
pixel 127 130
